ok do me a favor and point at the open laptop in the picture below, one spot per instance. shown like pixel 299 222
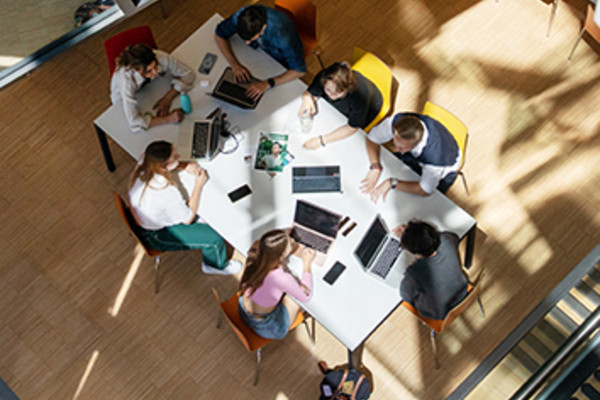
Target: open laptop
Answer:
pixel 315 227
pixel 233 92
pixel 199 140
pixel 317 179
pixel 378 253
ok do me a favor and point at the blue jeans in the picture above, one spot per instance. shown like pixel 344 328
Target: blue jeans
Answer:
pixel 195 236
pixel 274 325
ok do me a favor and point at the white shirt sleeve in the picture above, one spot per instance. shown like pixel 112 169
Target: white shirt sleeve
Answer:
pixel 123 88
pixel 382 132
pixel 183 76
pixel 430 177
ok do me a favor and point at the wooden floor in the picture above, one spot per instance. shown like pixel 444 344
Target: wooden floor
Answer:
pixel 69 331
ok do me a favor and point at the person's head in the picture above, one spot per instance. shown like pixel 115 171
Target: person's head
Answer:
pixel 276 148
pixel 408 132
pixel 141 58
pixel 420 238
pixel 338 80
pixel 252 23
pixel 273 247
pixel 159 158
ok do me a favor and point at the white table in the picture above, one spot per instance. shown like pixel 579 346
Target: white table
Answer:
pixel 357 303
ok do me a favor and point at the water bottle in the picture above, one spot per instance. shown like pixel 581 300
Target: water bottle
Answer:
pixel 186 103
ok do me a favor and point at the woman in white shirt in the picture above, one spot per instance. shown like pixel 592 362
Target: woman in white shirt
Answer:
pixel 139 64
pixel 164 197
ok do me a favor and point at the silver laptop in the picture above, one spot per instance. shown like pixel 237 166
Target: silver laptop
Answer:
pixel 233 92
pixel 315 227
pixel 199 140
pixel 379 252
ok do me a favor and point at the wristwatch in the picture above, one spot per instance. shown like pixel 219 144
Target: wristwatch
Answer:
pixel 376 166
pixel 271 82
pixel 393 183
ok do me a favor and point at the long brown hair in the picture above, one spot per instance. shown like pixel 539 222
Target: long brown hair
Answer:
pixel 137 56
pixel 263 257
pixel 155 160
pixel 341 75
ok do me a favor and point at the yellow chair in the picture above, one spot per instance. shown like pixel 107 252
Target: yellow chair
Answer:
pixel 377 72
pixel 590 27
pixel 456 128
pixel 438 326
pixel 250 340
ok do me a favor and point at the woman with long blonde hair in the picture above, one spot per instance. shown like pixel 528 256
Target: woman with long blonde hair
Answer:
pixel 265 305
pixel 164 197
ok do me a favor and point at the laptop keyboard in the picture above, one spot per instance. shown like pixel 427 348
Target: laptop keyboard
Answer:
pixel 311 240
pixel 324 184
pixel 236 92
pixel 387 256
pixel 200 141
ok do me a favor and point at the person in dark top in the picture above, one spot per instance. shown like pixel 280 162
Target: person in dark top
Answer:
pixel 434 283
pixel 351 93
pixel 272 31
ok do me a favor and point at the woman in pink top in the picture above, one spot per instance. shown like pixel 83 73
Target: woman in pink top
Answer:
pixel 264 305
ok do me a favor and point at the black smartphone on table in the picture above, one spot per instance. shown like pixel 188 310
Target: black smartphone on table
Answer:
pixel 334 272
pixel 239 193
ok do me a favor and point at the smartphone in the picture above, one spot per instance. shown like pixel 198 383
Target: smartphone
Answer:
pixel 239 193
pixel 334 272
pixel 207 63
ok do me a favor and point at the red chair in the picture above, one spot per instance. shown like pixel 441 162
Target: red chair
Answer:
pixel 116 44
pixel 303 14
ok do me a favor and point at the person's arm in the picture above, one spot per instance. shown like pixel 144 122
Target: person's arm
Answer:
pixel 257 89
pixel 201 178
pixel 309 104
pixel 241 73
pixel 183 81
pixel 375 167
pixel 340 133
pixel 384 187
pixel 409 290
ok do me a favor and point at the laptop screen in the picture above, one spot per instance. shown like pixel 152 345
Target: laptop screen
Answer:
pixel 370 242
pixel 316 218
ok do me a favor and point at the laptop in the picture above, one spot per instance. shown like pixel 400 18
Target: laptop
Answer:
pixel 233 92
pixel 378 252
pixel 317 179
pixel 315 227
pixel 199 140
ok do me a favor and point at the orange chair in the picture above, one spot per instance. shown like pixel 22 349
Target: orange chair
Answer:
pixel 131 225
pixel 116 44
pixel 590 27
pixel 251 341
pixel 303 14
pixel 439 325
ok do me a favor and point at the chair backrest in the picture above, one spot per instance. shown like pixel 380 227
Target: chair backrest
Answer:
pixel 303 14
pixel 127 216
pixel 460 307
pixel 249 339
pixel 590 25
pixel 377 72
pixel 456 128
pixel 116 44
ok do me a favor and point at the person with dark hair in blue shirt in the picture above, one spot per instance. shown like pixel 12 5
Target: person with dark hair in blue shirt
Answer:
pixel 272 31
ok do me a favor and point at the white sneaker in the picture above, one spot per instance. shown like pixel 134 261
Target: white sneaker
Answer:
pixel 232 268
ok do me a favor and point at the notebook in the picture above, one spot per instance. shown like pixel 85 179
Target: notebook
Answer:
pixel 199 140
pixel 317 179
pixel 315 227
pixel 229 90
pixel 378 253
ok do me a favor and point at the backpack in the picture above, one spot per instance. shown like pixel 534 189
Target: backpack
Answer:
pixel 343 383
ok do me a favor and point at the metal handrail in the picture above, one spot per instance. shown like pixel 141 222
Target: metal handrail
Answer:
pixel 581 334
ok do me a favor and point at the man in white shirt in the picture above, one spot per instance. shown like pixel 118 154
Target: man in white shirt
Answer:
pixel 423 144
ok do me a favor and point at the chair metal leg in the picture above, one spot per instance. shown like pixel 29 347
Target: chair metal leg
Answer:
pixel 576 43
pixel 464 180
pixel 316 53
pixel 219 319
pixel 258 358
pixel 156 275
pixel 552 14
pixel 480 306
pixel 314 330
pixel 162 9
pixel 434 348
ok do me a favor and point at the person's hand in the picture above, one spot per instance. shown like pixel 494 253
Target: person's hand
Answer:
pixel 255 90
pixel 176 116
pixel 193 168
pixel 308 106
pixel 308 255
pixel 240 73
pixel 312 144
pixel 202 176
pixel 381 191
pixel 399 230
pixel 368 184
pixel 163 106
